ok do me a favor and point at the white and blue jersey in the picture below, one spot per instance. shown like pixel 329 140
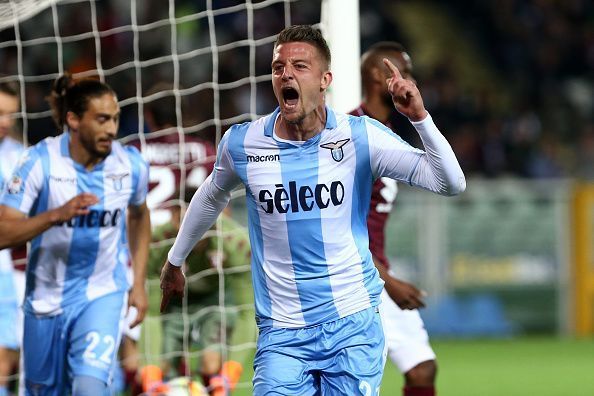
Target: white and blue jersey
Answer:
pixel 307 210
pixel 85 258
pixel 10 151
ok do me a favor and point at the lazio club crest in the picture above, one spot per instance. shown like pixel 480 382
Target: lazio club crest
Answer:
pixel 336 149
pixel 117 180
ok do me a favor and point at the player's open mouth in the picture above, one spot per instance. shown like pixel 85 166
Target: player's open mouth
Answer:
pixel 290 97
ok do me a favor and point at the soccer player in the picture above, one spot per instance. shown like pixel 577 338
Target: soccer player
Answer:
pixel 79 198
pixel 406 337
pixel 10 316
pixel 206 326
pixel 308 173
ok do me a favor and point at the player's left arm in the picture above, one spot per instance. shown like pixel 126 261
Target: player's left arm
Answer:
pixel 436 168
pixel 139 237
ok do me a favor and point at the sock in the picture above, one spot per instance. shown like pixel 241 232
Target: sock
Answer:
pixel 418 391
pixel 132 384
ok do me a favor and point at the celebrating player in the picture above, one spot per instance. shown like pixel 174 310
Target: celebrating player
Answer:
pixel 308 173
pixel 74 196
pixel 10 281
pixel 406 337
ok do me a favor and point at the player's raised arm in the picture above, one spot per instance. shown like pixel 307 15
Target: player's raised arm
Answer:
pixel 436 169
pixel 405 94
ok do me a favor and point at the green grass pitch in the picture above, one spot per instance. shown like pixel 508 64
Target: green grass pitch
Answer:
pixel 524 366
pixel 514 367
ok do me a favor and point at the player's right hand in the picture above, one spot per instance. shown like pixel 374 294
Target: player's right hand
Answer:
pixel 405 94
pixel 173 282
pixel 77 206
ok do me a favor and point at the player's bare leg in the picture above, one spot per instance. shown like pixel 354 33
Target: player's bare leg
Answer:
pixel 8 359
pixel 420 380
pixel 129 357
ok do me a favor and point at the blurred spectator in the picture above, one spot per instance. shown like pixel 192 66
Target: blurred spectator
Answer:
pixel 211 327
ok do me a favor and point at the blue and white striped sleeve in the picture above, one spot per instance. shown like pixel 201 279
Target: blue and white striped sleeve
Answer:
pixel 435 169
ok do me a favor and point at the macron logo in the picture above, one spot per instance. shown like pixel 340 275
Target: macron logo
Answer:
pixel 263 158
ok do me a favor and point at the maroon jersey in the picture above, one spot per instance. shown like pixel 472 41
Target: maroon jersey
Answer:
pixel 383 195
pixel 163 155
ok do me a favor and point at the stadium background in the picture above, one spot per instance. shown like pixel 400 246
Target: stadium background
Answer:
pixel 508 265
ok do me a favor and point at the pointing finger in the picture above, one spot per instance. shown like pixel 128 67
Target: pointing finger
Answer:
pixel 393 69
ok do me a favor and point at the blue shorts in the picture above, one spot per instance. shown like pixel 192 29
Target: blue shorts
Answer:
pixel 8 311
pixel 344 357
pixel 83 340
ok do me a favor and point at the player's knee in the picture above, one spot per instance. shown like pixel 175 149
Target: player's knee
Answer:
pixel 84 385
pixel 423 374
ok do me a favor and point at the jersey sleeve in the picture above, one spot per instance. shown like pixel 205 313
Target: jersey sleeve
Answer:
pixel 435 169
pixel 224 176
pixel 140 175
pixel 23 188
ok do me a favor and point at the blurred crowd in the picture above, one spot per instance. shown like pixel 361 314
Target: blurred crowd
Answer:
pixel 543 52
pixel 530 114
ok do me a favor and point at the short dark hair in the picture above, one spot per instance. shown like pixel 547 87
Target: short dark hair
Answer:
pixel 9 88
pixel 373 55
pixel 70 95
pixel 308 34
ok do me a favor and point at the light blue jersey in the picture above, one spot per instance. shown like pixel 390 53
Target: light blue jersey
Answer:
pixel 307 209
pixel 316 288
pixel 308 204
pixel 85 258
pixel 10 151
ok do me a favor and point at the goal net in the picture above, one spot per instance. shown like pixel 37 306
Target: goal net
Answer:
pixel 184 71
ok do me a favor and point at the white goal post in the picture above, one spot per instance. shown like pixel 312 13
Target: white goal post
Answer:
pixel 340 25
